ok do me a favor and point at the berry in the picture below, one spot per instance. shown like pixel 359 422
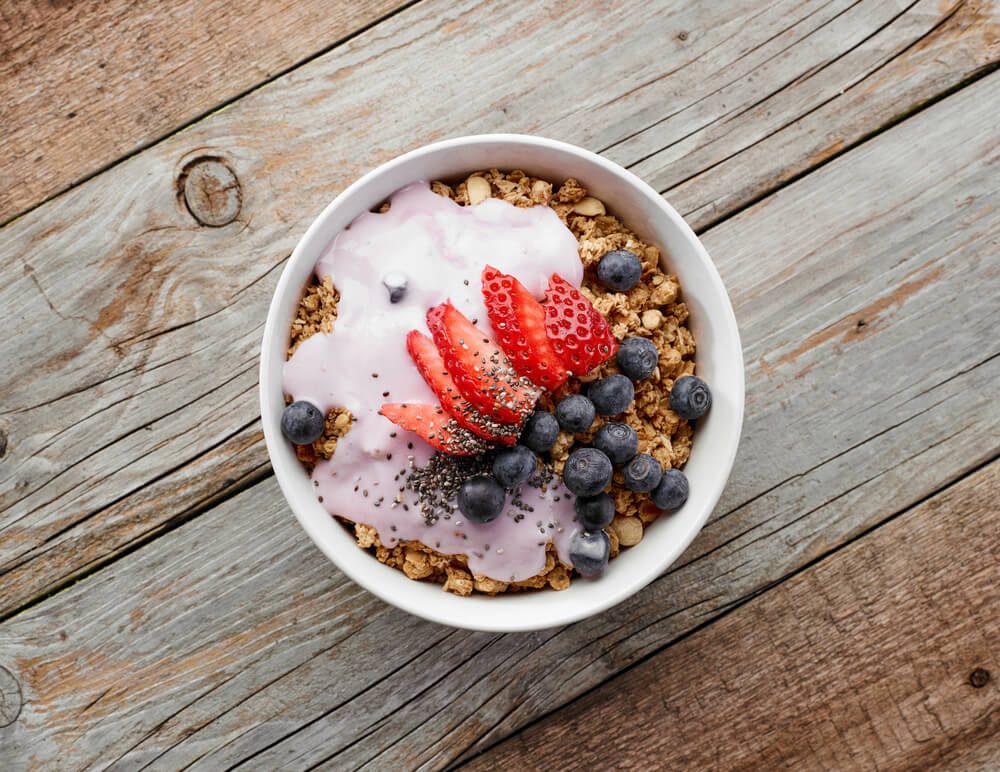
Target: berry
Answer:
pixel 395 284
pixel 540 431
pixel 435 426
pixel 672 491
pixel 302 423
pixel 431 366
pixel 612 395
pixel 619 270
pixel 619 442
pixel 637 357
pixel 575 413
pixel 518 322
pixel 589 552
pixel 577 331
pixel 642 474
pixel 513 466
pixel 587 472
pixel 481 498
pixel 595 512
pixel 480 370
pixel 690 397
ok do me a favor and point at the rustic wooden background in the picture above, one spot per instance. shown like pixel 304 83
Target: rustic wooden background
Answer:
pixel 160 607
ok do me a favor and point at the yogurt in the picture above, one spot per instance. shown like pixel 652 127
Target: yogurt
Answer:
pixel 440 249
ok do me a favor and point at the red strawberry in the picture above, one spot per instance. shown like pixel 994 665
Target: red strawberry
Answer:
pixel 519 324
pixel 482 373
pixel 577 331
pixel 432 368
pixel 437 427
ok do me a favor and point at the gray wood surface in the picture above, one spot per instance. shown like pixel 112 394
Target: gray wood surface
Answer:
pixel 84 84
pixel 128 392
pixel 866 660
pixel 231 639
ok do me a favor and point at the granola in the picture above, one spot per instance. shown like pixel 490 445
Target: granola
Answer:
pixel 652 309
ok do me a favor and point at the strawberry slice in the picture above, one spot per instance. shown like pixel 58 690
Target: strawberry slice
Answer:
pixel 480 370
pixel 431 366
pixel 578 332
pixel 437 427
pixel 518 322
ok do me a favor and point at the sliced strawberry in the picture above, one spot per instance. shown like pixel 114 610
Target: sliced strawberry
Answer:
pixel 437 427
pixel 432 367
pixel 481 371
pixel 519 325
pixel 578 332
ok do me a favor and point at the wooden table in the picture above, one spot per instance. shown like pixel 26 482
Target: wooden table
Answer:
pixel 160 607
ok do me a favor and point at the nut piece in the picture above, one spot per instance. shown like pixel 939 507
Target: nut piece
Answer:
pixel 589 206
pixel 478 189
pixel 652 319
pixel 629 530
pixel 541 191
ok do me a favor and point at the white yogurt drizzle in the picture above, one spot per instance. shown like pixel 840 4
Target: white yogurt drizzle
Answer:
pixel 441 248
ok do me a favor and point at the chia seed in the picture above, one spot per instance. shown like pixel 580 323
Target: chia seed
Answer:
pixel 437 484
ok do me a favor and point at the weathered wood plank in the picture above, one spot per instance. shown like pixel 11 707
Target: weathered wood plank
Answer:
pixel 861 662
pixel 700 159
pixel 135 329
pixel 253 650
pixel 83 84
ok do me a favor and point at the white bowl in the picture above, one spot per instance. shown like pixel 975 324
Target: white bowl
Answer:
pixel 719 361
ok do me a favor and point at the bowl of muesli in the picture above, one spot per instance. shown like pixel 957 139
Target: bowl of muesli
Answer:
pixel 501 383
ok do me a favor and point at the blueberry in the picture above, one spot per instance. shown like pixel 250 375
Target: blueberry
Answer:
pixel 512 466
pixel 612 395
pixel 637 357
pixel 672 491
pixel 619 270
pixel 575 413
pixel 588 552
pixel 540 431
pixel 619 442
pixel 595 512
pixel 481 498
pixel 690 397
pixel 642 474
pixel 587 471
pixel 302 423
pixel 395 283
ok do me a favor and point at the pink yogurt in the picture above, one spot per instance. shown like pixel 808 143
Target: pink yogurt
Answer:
pixel 441 248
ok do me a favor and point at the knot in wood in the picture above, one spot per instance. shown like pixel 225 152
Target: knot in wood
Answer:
pixel 3 443
pixel 211 191
pixel 979 677
pixel 10 697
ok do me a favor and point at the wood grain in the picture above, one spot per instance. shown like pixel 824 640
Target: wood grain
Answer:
pixel 861 662
pixel 83 84
pixel 131 356
pixel 231 638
